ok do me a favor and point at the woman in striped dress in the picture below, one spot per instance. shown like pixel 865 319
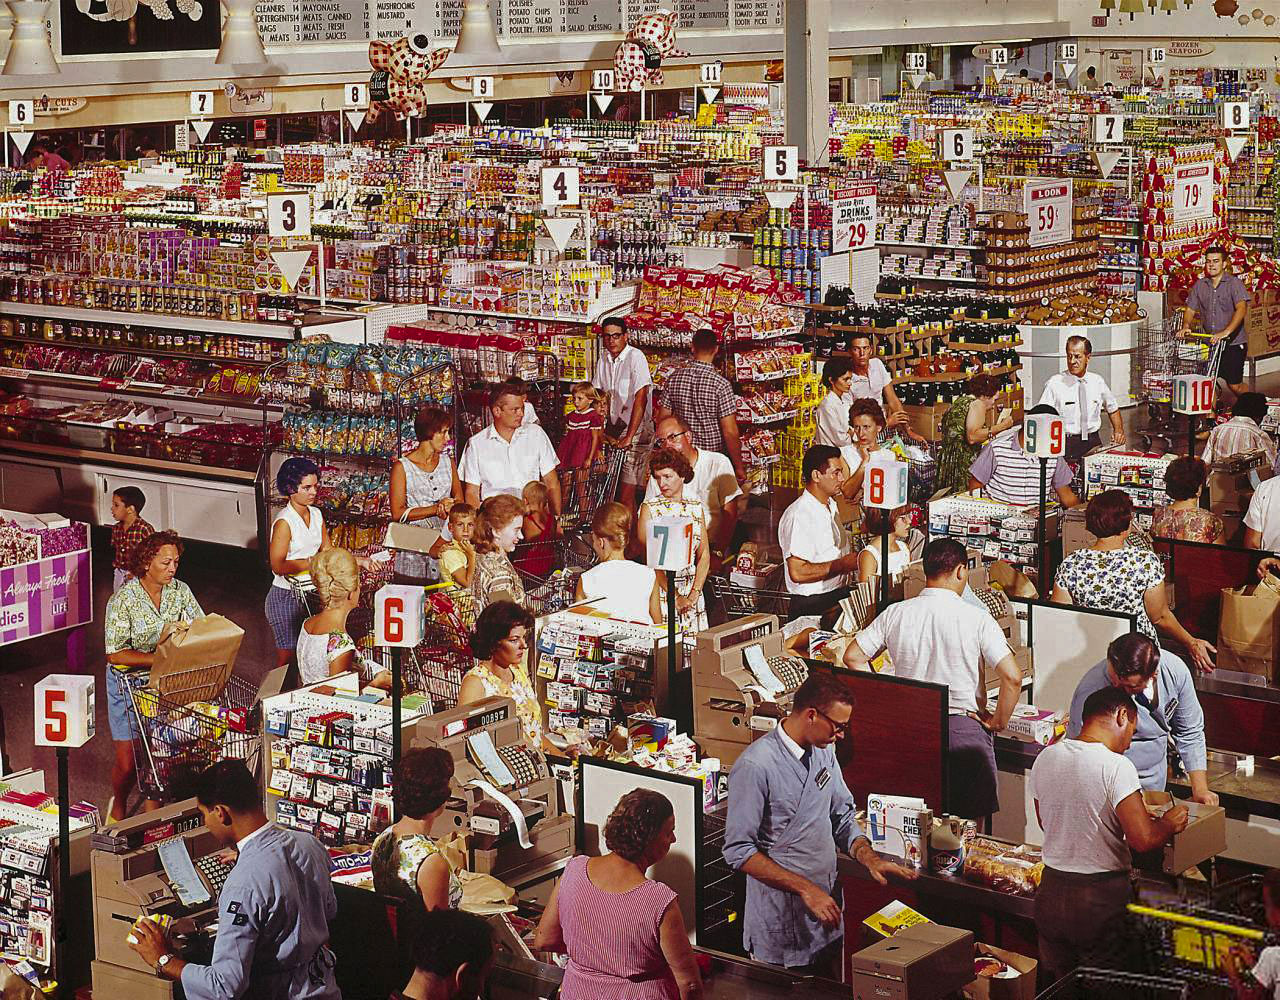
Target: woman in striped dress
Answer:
pixel 640 951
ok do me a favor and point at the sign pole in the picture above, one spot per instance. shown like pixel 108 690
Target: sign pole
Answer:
pixel 397 692
pixel 1191 435
pixel 884 571
pixel 1040 546
pixel 64 872
pixel 671 630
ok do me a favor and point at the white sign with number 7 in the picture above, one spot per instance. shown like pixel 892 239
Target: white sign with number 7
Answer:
pixel 669 543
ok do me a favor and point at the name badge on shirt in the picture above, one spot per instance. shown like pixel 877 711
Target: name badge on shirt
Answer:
pixel 823 777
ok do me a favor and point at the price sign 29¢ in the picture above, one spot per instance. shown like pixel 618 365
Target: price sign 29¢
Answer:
pixel 853 218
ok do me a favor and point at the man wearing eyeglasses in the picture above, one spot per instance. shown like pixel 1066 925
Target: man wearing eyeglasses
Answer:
pixel 714 481
pixel 939 637
pixel 789 809
pixel 622 374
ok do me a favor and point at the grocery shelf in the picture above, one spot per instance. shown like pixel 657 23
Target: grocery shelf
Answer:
pixel 198 324
pixel 128 387
pixel 145 352
pixel 932 246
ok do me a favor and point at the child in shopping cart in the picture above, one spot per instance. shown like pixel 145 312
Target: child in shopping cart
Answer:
pixel 1258 977
pixel 458 560
pixel 538 553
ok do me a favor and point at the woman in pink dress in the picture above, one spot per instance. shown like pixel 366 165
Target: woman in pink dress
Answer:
pixel 640 950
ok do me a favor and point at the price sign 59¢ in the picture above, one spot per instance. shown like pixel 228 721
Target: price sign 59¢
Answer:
pixel 398 614
pixel 1043 435
pixel 1047 204
pixel 853 218
pixel 1192 394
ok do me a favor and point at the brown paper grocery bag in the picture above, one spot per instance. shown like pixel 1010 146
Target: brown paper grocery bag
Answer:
pixel 194 659
pixel 1249 631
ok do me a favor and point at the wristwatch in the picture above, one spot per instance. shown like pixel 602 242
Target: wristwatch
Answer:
pixel 162 961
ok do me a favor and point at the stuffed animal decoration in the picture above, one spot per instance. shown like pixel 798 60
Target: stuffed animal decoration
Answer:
pixel 123 10
pixel 400 74
pixel 638 62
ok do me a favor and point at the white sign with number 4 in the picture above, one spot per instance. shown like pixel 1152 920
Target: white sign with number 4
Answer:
pixel 781 163
pixel 957 144
pixel 64 710
pixel 288 215
pixel 21 113
pixel 201 103
pixel 560 186
pixel 398 614
pixel 669 543
pixel 1043 435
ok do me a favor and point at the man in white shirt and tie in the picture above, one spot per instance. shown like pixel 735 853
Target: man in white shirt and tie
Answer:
pixel 1080 397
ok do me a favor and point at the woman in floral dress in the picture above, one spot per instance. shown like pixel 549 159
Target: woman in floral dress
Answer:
pixel 671 471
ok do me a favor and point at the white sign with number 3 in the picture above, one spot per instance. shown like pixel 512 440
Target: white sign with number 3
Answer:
pixel 288 215
pixel 560 186
pixel 21 113
pixel 398 613
pixel 669 543
pixel 64 714
pixel 781 163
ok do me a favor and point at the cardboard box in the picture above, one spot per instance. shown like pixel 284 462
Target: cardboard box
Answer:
pixel 1019 987
pixel 1032 725
pixel 1205 836
pixel 922 962
pixel 1262 323
pixel 194 659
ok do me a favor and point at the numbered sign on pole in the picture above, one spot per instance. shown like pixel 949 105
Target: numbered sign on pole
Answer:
pixel 1048 206
pixel 1068 51
pixel 711 74
pixel 669 543
pixel 1043 435
pixel 21 113
pixel 1000 57
pixel 482 87
pixel 398 615
pixel 957 144
pixel 1192 394
pixel 560 186
pixel 289 214
pixel 1108 128
pixel 602 79
pixel 1157 54
pixel 917 62
pixel 64 710
pixel 356 95
pixel 1235 115
pixel 201 103
pixel 886 483
pixel 781 163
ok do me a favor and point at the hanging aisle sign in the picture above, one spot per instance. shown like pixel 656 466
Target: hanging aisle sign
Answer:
pixel 1043 435
pixel 1048 205
pixel 853 218
pixel 1192 191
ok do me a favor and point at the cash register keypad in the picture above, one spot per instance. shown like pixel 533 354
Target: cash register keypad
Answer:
pixel 791 670
pixel 214 870
pixel 526 766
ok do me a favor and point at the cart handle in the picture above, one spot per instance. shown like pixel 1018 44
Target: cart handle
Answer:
pixel 1208 925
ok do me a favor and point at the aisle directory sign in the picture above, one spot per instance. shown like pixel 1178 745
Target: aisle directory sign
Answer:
pixel 853 218
pixel 1192 191
pixel 1108 128
pixel 288 214
pixel 1048 205
pixel 781 163
pixel 602 79
pixel 356 95
pixel 560 186
pixel 21 113
pixel 957 144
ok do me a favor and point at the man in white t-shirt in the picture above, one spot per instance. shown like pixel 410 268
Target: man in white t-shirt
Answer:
pixel 714 481
pixel 1262 519
pixel 870 380
pixel 1089 803
pixel 815 556
pixel 939 637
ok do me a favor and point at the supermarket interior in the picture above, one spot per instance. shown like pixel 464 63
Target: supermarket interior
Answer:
pixel 793 477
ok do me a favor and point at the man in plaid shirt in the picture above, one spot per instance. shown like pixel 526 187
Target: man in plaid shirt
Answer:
pixel 703 398
pixel 130 529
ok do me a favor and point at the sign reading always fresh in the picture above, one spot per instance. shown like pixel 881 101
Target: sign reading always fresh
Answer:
pixel 1048 207
pixel 853 218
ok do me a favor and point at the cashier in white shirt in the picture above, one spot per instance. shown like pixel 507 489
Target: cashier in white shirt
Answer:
pixel 1089 802
pixel 939 637
pixel 508 454
pixel 1081 396
pixel 816 557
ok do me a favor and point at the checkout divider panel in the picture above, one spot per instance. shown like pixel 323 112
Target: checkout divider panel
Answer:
pixel 1066 640
pixel 1199 572
pixel 601 783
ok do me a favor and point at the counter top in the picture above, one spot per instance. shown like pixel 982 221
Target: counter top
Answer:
pixel 1235 684
pixel 1258 794
pixel 951 888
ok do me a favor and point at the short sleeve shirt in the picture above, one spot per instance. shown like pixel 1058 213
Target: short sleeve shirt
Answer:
pixel 621 378
pixel 498 466
pixel 870 385
pixel 133 622
pixel 1263 515
pixel 1214 306
pixel 1267 970
pixel 1113 581
pixel 1008 474
pixel 809 531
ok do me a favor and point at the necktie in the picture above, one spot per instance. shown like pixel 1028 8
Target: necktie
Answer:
pixel 1082 399
pixel 805 757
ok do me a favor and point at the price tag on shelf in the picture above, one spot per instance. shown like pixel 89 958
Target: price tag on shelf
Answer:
pixel 711 74
pixel 1068 51
pixel 1192 191
pixel 289 214
pixel 853 218
pixel 602 79
pixel 560 186
pixel 1048 205
pixel 356 95
pixel 957 144
pixel 669 543
pixel 1000 56
pixel 917 62
pixel 1192 394
pixel 482 87
pixel 1108 128
pixel 21 113
pixel 886 482
pixel 398 615
pixel 64 715
pixel 201 103
pixel 1157 54
pixel 781 163
pixel 1043 435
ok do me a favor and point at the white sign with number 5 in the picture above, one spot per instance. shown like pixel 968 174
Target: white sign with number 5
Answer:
pixel 21 113
pixel 560 186
pixel 1192 394
pixel 398 614
pixel 288 215
pixel 1043 435
pixel 781 163
pixel 64 710
pixel 669 543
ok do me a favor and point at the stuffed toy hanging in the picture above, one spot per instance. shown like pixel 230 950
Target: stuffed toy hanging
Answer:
pixel 400 75
pixel 123 10
pixel 638 62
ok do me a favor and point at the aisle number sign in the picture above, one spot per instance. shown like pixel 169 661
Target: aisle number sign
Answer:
pixel 560 186
pixel 288 214
pixel 482 87
pixel 1000 57
pixel 853 218
pixel 781 163
pixel 1192 394
pixel 356 95
pixel 1108 128
pixel 1235 115
pixel 957 144
pixel 917 62
pixel 602 79
pixel 1192 191
pixel 64 713
pixel 21 113
pixel 1157 55
pixel 398 615
pixel 1068 51
pixel 669 543
pixel 886 483
pixel 1048 205
pixel 201 103
pixel 1043 435
pixel 711 74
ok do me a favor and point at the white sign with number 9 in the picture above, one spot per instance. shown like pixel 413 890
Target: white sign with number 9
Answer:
pixel 398 613
pixel 669 543
pixel 886 483
pixel 1043 435
pixel 64 710
pixel 781 163
pixel 1192 394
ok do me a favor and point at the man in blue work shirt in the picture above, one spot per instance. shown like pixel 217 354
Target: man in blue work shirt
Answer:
pixel 1161 685
pixel 273 911
pixel 789 807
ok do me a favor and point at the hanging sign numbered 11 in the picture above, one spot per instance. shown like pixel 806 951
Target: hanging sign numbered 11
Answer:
pixel 1192 394
pixel 1043 435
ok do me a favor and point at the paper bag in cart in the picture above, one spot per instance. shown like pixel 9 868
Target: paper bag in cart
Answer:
pixel 1249 631
pixel 193 660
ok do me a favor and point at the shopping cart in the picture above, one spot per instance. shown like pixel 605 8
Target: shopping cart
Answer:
pixel 1241 901
pixel 1106 984
pixel 1159 356
pixel 734 600
pixel 584 490
pixel 1190 944
pixel 435 667
pixel 194 720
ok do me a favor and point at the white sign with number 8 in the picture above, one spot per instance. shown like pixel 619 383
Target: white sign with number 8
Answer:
pixel 398 614
pixel 1043 435
pixel 781 163
pixel 356 95
pixel 1235 115
pixel 669 543
pixel 1192 394
pixel 886 483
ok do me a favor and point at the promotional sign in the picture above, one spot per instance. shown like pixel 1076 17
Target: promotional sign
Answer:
pixel 669 543
pixel 1043 435
pixel 853 218
pixel 398 615
pixel 1192 191
pixel 45 596
pixel 560 186
pixel 781 163
pixel 289 214
pixel 957 144
pixel 886 483
pixel 64 710
pixel 1108 128
pixel 1048 205
pixel 1192 394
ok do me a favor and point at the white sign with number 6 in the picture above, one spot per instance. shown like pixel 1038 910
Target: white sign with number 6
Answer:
pixel 781 163
pixel 1108 128
pixel 1192 394
pixel 398 615
pixel 669 543
pixel 560 186
pixel 64 710
pixel 21 113
pixel 356 95
pixel 886 482
pixel 711 73
pixel 288 215
pixel 482 87
pixel 602 79
pixel 957 144
pixel 201 103
pixel 1043 435
pixel 1235 114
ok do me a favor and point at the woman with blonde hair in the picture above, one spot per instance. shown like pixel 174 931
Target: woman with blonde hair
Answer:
pixel 499 528
pixel 324 647
pixel 615 585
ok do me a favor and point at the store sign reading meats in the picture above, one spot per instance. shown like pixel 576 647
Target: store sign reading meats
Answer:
pixel 853 218
pixel 1048 207
pixel 1192 191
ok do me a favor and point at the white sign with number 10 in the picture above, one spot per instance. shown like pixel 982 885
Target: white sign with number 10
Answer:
pixel 1192 394
pixel 669 543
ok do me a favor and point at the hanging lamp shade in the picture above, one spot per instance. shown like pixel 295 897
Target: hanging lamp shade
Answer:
pixel 1108 6
pixel 477 36
pixel 241 40
pixel 1168 6
pixel 1131 7
pixel 29 51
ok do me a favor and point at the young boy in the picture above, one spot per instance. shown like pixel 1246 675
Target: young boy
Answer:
pixel 1259 978
pixel 539 528
pixel 126 510
pixel 458 560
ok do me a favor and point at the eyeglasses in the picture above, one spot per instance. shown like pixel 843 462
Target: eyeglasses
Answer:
pixel 612 336
pixel 836 727
pixel 673 438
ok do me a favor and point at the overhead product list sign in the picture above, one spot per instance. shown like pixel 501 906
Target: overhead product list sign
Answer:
pixel 1192 191
pixel 853 218
pixel 1047 202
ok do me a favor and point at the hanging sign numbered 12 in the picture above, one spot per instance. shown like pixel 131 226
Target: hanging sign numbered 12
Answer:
pixel 1192 394
pixel 1048 205
pixel 853 218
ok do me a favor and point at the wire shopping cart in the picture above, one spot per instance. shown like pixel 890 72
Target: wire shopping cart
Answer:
pixel 1159 356
pixel 583 490
pixel 1241 900
pixel 735 600
pixel 435 666
pixel 1106 984
pixel 1190 944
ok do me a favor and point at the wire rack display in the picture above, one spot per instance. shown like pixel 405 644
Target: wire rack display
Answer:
pixel 734 600
pixel 584 490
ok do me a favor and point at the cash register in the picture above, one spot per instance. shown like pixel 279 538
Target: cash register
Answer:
pixel 743 684
pixel 162 863
pixel 505 796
